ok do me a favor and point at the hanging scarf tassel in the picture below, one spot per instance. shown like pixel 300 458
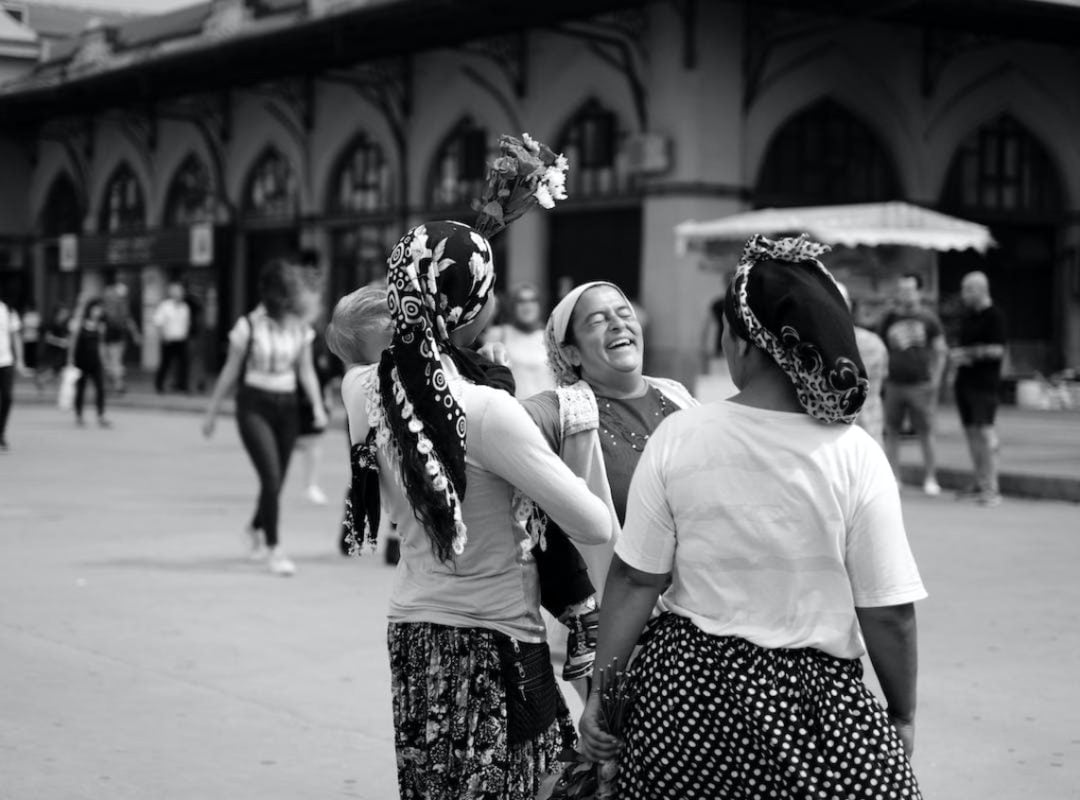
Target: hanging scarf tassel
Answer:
pixel 360 525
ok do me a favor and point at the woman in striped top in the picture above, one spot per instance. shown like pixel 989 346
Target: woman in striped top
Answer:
pixel 269 352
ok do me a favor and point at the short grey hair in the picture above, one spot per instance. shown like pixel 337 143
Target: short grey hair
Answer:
pixel 359 318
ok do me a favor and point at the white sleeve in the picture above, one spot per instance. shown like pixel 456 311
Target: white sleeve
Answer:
pixel 647 541
pixel 879 562
pixel 504 440
pixel 240 333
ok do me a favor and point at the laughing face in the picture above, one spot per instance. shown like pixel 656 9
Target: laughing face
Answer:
pixel 606 335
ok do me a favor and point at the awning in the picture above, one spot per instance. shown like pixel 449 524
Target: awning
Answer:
pixel 869 224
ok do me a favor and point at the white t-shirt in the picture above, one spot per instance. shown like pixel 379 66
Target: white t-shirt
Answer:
pixel 173 318
pixel 775 527
pixel 9 325
pixel 275 350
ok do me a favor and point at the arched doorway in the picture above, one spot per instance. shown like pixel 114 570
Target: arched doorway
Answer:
pixel 271 207
pixel 61 219
pixel 596 233
pixel 457 177
pixel 362 216
pixel 1003 177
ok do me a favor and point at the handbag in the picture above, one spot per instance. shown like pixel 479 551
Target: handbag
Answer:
pixel 531 693
pixel 65 397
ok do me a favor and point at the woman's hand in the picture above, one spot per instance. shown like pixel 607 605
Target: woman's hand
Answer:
pixel 319 416
pixel 905 727
pixel 596 745
pixel 495 352
pixel 208 425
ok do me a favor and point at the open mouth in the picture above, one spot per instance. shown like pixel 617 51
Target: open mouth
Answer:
pixel 621 343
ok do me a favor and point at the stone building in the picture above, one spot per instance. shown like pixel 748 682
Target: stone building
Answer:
pixel 199 143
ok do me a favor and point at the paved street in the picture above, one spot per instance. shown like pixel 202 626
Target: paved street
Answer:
pixel 143 657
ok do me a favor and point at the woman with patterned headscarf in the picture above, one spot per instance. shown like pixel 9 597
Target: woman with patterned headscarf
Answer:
pixel 477 713
pixel 778 525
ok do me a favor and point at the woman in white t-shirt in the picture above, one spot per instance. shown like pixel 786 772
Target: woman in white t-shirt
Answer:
pixel 778 523
pixel 522 337
pixel 269 351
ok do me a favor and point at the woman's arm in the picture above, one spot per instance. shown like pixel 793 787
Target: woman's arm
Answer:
pixel 629 598
pixel 891 643
pixel 225 383
pixel 73 342
pixel 310 382
pixel 510 445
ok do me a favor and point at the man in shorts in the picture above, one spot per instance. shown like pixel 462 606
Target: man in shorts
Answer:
pixel 916 343
pixel 978 376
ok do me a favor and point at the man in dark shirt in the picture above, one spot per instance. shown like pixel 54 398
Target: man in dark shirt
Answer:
pixel 916 344
pixel 978 374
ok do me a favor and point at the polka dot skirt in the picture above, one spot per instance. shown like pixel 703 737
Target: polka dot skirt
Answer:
pixel 721 717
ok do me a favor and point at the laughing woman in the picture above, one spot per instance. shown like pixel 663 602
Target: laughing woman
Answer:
pixel 477 713
pixel 777 523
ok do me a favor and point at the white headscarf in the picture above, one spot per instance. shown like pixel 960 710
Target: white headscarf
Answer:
pixel 555 334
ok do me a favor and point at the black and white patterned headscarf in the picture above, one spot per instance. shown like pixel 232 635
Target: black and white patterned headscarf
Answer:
pixel 440 277
pixel 783 300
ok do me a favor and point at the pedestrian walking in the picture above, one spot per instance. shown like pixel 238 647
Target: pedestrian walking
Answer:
pixel 120 328
pixel 917 351
pixel 31 332
pixel 269 352
pixel 522 338
pixel 11 361
pixel 750 683
pixel 172 318
pixel 86 353
pixel 978 377
pixel 57 341
pixel 477 712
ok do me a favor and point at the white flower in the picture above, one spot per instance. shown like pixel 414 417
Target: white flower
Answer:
pixel 530 143
pixel 543 196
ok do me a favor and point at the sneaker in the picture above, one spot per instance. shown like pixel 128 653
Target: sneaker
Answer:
pixel 315 495
pixel 988 499
pixel 931 488
pixel 969 492
pixel 280 564
pixel 580 645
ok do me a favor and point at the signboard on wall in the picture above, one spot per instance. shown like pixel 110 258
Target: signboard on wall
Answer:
pixel 69 251
pixel 202 244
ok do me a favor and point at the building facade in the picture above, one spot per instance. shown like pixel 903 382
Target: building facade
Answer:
pixel 199 144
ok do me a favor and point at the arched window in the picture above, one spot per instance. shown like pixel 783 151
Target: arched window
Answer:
pixel 361 180
pixel 460 166
pixel 271 188
pixel 62 212
pixel 122 206
pixel 191 196
pixel 825 155
pixel 1002 168
pixel 591 142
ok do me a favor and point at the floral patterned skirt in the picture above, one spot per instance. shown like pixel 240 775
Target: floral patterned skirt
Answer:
pixel 717 716
pixel 450 729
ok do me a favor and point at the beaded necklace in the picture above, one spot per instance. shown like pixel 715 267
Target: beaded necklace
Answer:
pixel 637 441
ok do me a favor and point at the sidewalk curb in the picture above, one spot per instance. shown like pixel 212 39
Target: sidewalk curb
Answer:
pixel 1012 484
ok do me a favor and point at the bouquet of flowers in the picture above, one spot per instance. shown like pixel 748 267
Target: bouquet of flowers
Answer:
pixel 585 780
pixel 524 174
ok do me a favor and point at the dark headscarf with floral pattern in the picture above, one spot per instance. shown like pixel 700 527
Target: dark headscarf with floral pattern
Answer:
pixel 440 277
pixel 783 300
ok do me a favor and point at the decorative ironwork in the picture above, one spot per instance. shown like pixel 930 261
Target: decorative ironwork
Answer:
pixel 509 54
pixel 271 191
pixel 1002 167
pixel 941 47
pixel 825 154
pixel 211 115
pixel 63 211
pixel 76 137
pixel 765 30
pixel 361 182
pixel 191 197
pixel 123 205
pixel 618 39
pixel 458 171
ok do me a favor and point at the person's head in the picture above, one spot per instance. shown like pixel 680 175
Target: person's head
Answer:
pixel 360 327
pixel 62 314
pixel 975 290
pixel 176 291
pixel 440 280
pixel 278 287
pixel 594 335
pixel 525 307
pixel 909 291
pixel 93 309
pixel 783 310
